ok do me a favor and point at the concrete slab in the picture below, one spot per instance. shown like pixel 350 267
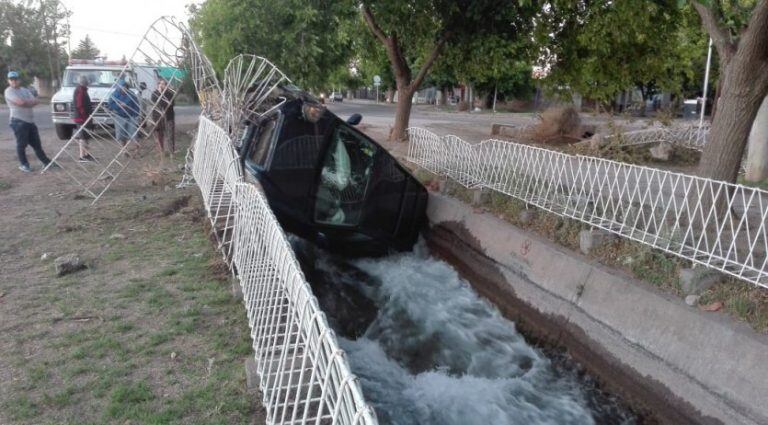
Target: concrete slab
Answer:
pixel 685 365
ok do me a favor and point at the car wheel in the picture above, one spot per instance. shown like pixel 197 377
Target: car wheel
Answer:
pixel 64 131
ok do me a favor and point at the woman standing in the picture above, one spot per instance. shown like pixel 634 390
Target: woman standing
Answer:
pixel 82 111
pixel 164 116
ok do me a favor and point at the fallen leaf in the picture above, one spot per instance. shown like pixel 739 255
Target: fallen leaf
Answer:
pixel 715 306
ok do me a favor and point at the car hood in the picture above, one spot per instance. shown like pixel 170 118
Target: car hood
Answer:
pixel 66 94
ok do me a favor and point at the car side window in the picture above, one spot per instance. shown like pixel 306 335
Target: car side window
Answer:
pixel 344 178
pixel 260 149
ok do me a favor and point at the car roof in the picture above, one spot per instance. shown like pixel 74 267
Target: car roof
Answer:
pixel 96 67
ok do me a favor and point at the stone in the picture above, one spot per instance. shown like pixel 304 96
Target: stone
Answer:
pixel 67 264
pixel 591 239
pixel 480 196
pixel 597 141
pixel 237 289
pixel 527 216
pixel 662 151
pixel 251 374
pixel 694 281
pixel 692 300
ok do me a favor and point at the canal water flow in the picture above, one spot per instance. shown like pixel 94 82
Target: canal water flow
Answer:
pixel 429 350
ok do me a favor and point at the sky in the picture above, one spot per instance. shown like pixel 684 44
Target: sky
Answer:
pixel 117 27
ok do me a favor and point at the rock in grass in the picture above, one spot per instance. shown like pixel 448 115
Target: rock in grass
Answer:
pixel 662 152
pixel 67 264
pixel 692 300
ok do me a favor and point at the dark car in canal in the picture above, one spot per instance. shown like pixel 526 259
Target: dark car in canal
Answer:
pixel 330 183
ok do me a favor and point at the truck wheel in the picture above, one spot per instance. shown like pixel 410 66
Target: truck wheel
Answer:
pixel 64 131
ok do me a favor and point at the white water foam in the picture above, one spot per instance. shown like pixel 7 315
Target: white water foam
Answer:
pixel 439 354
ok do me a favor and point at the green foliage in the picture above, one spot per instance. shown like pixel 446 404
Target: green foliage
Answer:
pixel 86 49
pixel 305 39
pixel 599 48
pixel 492 62
pixel 32 38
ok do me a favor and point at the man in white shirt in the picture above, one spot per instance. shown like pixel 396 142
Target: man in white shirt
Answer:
pixel 21 102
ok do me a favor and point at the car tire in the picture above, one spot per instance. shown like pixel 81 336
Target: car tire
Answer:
pixel 64 131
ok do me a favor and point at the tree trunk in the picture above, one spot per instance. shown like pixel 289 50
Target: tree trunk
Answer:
pixel 743 85
pixel 741 96
pixel 495 94
pixel 757 158
pixel 402 113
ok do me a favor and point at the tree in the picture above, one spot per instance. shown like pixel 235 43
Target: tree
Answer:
pixel 604 47
pixel 738 31
pixel 304 38
pixel 31 39
pixel 86 49
pixel 415 34
pixel 493 64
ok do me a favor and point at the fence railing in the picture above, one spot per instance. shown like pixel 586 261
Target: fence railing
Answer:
pixel 688 136
pixel 715 224
pixel 304 376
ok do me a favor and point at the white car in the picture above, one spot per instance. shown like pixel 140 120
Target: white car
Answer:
pixel 336 97
pixel 102 75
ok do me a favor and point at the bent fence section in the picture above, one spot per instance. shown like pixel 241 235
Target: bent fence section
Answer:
pixel 715 224
pixel 304 376
pixel 687 136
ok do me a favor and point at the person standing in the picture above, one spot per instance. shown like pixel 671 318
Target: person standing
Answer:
pixel 21 103
pixel 83 110
pixel 125 106
pixel 164 116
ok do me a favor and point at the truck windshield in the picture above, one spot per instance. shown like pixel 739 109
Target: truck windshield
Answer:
pixel 96 77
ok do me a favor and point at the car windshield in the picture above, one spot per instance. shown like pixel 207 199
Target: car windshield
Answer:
pixel 96 77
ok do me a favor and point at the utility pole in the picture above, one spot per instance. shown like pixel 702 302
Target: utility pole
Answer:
pixel 706 85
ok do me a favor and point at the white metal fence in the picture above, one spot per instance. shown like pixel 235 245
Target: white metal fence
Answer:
pixel 716 224
pixel 167 51
pixel 688 136
pixel 304 376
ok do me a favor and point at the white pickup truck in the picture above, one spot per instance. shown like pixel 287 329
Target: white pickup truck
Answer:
pixel 102 76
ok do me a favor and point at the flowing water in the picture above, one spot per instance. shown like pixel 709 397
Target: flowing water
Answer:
pixel 428 350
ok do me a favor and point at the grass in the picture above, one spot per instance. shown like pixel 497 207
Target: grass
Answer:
pixel 115 366
pixel 760 185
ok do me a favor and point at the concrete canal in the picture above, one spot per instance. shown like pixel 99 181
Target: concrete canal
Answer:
pixel 429 350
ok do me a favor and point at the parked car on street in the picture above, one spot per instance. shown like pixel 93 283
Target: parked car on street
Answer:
pixel 336 97
pixel 330 183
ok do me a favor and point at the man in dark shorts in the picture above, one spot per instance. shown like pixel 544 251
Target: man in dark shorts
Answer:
pixel 21 102
pixel 82 110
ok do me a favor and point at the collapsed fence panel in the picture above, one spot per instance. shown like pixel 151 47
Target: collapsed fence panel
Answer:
pixel 686 136
pixel 304 376
pixel 121 123
pixel 711 223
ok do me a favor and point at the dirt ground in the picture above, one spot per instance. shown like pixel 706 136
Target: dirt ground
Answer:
pixel 148 333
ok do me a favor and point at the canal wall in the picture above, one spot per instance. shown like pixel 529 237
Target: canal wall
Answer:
pixel 668 360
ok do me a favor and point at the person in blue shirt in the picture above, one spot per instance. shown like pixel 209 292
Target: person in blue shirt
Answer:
pixel 125 111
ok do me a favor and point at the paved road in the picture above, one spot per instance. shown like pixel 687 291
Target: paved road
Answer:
pixel 44 123
pixel 383 115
